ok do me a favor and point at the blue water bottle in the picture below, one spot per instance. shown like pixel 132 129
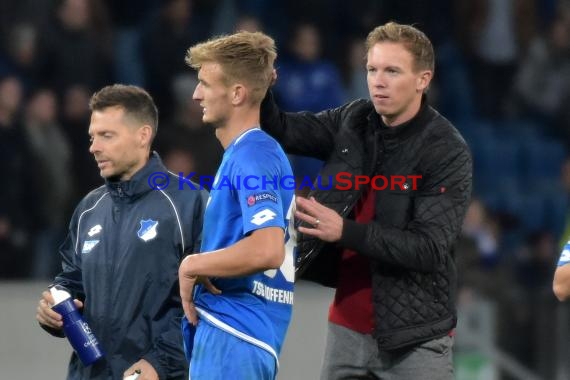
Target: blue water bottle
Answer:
pixel 75 328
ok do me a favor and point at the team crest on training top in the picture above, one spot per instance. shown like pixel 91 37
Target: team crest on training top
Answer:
pixel 147 230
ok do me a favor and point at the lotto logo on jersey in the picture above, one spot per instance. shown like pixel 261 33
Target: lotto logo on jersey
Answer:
pixel 263 216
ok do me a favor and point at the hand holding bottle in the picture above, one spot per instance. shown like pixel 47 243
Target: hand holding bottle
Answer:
pixel 47 316
pixel 64 314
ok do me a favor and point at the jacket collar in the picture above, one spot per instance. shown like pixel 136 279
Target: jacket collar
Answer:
pixel 403 131
pixel 138 185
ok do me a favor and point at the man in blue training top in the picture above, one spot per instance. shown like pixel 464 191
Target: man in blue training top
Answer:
pixel 124 246
pixel 237 294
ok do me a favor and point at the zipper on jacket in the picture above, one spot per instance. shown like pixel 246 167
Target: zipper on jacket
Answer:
pixel 117 210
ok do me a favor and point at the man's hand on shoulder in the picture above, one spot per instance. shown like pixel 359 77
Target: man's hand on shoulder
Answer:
pixel 327 223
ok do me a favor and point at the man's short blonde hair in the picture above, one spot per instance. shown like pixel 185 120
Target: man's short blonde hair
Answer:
pixel 414 40
pixel 245 57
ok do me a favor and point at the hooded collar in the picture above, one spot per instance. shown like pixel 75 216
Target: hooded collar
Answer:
pixel 138 185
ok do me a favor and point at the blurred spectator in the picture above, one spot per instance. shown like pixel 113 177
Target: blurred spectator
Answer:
pixel 357 16
pixel 248 23
pixel 307 83
pixel 188 112
pixel 564 181
pixel 172 30
pixel 229 14
pixel 483 230
pixel 434 17
pixel 486 272
pixel 454 92
pixel 536 261
pixel 52 153
pixel 75 121
pixel 356 85
pixel 18 195
pixel 179 160
pixel 478 257
pixel 225 16
pixel 536 304
pixel 19 56
pixel 32 12
pixel 184 134
pixel 75 46
pixel 332 20
pixel 494 33
pixel 543 81
pixel 272 14
pixel 129 17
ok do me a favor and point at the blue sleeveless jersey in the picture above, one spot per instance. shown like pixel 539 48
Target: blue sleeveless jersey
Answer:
pixel 247 194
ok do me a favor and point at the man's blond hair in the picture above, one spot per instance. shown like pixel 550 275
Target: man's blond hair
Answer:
pixel 245 57
pixel 414 40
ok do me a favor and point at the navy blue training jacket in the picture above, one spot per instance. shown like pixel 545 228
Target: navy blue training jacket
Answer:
pixel 121 258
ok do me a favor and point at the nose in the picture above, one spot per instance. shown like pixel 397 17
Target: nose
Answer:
pixel 94 146
pixel 197 95
pixel 376 80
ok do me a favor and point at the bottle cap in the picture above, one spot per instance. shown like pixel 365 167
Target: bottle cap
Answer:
pixel 58 295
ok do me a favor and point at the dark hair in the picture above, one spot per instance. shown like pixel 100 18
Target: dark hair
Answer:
pixel 135 101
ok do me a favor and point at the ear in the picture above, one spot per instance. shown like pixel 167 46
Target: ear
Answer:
pixel 239 94
pixel 144 135
pixel 423 80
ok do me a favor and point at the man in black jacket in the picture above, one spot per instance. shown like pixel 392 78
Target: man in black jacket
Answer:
pixel 126 240
pixel 399 181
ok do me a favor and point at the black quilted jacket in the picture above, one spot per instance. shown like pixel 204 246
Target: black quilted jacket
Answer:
pixel 411 241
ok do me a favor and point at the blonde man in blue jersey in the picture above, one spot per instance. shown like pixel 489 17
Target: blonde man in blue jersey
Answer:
pixel 238 333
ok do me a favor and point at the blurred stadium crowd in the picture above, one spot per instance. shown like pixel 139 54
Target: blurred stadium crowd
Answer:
pixel 502 76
